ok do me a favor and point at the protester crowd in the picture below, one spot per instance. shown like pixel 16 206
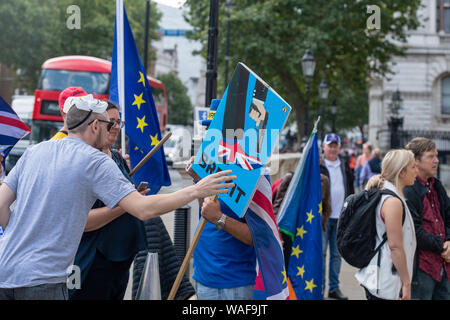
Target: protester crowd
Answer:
pixel 97 219
pixel 414 257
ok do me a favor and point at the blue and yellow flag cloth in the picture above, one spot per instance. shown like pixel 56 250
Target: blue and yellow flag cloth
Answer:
pixel 141 119
pixel 300 217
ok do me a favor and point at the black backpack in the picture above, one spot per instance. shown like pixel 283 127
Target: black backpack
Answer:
pixel 356 232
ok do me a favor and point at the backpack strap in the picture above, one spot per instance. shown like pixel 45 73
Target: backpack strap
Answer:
pixel 392 193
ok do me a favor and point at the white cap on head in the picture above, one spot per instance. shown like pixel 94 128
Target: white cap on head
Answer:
pixel 87 103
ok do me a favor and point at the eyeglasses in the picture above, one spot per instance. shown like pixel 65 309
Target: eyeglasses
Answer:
pixel 108 127
pixel 119 122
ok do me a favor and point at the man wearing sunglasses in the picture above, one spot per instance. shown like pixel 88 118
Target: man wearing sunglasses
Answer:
pixel 54 185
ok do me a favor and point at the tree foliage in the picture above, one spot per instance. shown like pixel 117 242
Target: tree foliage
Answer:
pixel 180 107
pixel 34 31
pixel 271 37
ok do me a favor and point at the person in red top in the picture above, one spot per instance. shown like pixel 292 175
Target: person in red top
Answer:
pixel 430 207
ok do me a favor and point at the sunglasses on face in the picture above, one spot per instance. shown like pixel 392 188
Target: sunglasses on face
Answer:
pixel 109 125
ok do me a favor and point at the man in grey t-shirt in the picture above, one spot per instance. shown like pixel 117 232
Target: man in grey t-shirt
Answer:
pixel 54 184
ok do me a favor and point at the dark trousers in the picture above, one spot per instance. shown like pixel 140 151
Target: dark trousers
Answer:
pixel 106 280
pixel 48 291
pixel 424 287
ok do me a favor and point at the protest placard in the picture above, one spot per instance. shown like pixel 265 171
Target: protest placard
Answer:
pixel 242 135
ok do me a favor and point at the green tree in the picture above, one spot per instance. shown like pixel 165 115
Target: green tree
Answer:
pixel 180 107
pixel 34 31
pixel 271 37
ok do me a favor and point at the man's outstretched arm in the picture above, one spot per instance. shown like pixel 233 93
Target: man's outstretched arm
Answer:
pixel 147 207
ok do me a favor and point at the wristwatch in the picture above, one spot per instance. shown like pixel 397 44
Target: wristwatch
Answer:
pixel 220 224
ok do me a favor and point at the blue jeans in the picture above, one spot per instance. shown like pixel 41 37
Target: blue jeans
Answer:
pixel 239 293
pixel 424 287
pixel 329 236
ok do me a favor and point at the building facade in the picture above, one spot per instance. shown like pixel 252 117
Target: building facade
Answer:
pixel 422 77
pixel 175 53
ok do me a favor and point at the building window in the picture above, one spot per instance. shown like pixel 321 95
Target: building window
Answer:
pixel 445 95
pixel 443 16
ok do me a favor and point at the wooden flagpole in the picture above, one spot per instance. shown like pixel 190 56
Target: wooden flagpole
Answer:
pixel 150 154
pixel 187 258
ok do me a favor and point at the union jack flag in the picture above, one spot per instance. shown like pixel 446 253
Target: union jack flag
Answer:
pixel 235 154
pixel 271 281
pixel 12 129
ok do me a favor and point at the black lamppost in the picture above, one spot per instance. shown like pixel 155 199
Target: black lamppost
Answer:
pixel 333 113
pixel 211 62
pixel 395 123
pixel 228 4
pixel 308 66
pixel 323 94
pixel 147 23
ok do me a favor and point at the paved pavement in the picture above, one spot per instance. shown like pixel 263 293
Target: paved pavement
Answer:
pixel 348 284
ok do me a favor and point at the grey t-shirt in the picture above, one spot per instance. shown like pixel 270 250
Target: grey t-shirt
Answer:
pixel 56 183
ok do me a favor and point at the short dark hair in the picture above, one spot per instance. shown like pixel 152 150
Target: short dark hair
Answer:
pixel 111 105
pixel 420 145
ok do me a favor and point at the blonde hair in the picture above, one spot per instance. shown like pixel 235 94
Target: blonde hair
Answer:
pixel 394 162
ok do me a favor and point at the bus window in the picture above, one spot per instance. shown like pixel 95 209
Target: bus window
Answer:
pixel 44 130
pixel 50 108
pixel 58 80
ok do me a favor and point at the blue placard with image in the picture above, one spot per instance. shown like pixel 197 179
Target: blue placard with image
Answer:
pixel 242 135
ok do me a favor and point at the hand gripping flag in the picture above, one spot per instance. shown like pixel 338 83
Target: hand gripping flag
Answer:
pixel 271 281
pixel 300 218
pixel 12 129
pixel 141 119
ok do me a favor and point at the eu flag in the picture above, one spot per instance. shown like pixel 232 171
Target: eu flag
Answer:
pixel 300 218
pixel 141 119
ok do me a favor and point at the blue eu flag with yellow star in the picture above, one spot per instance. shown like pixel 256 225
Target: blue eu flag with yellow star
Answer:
pixel 300 217
pixel 141 119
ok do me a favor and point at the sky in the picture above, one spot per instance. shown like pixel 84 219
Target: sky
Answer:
pixel 172 3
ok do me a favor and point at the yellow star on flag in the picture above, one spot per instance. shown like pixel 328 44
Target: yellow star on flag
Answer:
pixel 310 285
pixel 138 100
pixel 296 251
pixel 141 124
pixel 301 271
pixel 310 216
pixel 320 208
pixel 154 139
pixel 301 232
pixel 142 78
pixel 284 276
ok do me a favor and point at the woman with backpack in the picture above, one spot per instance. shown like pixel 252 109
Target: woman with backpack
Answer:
pixel 389 273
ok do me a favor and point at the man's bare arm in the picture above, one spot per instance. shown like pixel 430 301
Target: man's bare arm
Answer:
pixel 147 207
pixel 7 197
pixel 211 211
pixel 100 217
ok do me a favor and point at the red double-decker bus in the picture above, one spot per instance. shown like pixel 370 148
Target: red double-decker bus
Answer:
pixel 90 73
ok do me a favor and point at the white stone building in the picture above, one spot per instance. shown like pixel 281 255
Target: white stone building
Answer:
pixel 175 53
pixel 423 79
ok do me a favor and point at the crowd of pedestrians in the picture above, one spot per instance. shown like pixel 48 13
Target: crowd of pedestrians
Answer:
pixel 82 185
pixel 414 262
